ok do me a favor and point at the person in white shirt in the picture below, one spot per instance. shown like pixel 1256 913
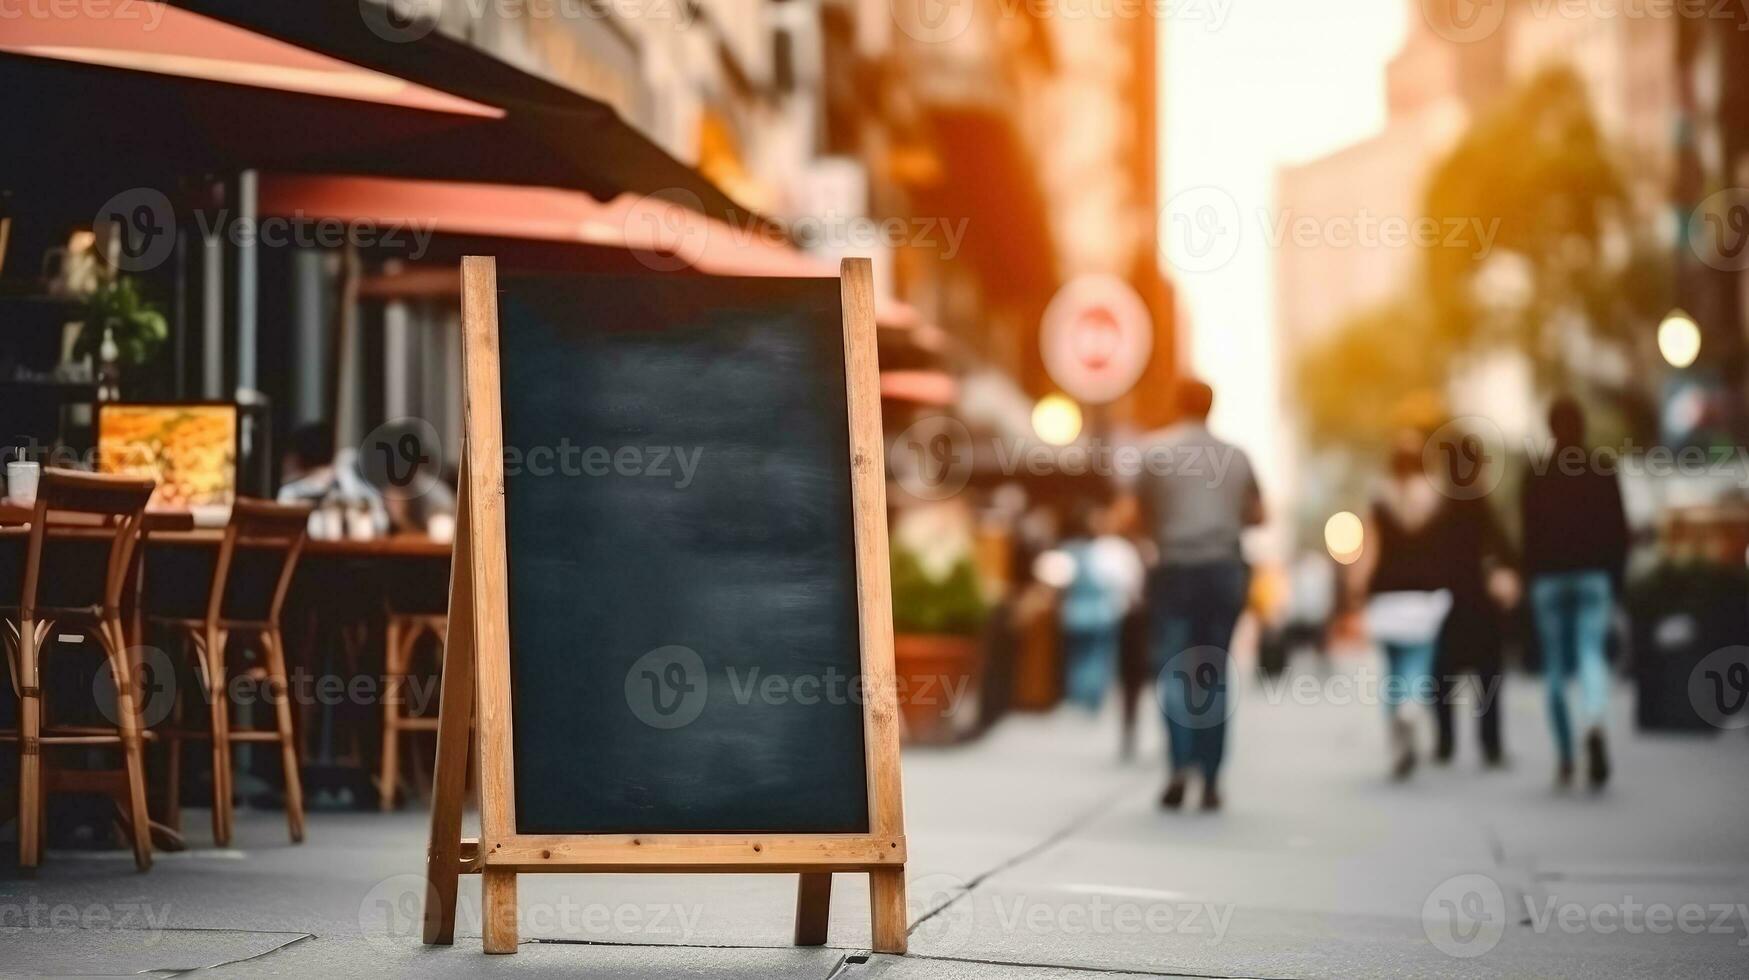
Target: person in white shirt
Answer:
pixel 314 473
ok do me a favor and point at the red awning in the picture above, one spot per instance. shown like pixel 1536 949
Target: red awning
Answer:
pixel 674 236
pixel 166 40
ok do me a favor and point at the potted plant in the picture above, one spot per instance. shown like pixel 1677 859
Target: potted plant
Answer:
pixel 121 329
pixel 938 654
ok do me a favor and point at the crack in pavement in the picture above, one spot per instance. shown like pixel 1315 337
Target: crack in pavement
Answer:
pixel 1069 829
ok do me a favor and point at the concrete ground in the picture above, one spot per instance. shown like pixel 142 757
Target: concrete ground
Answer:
pixel 1035 855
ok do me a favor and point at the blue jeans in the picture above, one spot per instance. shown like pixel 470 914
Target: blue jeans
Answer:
pixel 1192 612
pixel 1091 659
pixel 1408 674
pixel 1572 620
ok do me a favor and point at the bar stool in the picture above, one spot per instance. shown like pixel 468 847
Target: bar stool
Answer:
pixel 73 581
pixel 416 602
pixel 401 639
pixel 246 592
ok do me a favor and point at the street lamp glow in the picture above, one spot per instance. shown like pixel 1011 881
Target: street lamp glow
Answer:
pixel 1679 339
pixel 1345 537
pixel 1054 568
pixel 1057 419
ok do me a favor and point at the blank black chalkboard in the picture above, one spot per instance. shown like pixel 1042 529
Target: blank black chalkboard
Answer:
pixel 682 584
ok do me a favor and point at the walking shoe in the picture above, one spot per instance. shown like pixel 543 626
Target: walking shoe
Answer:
pixel 1564 775
pixel 1211 797
pixel 1403 743
pixel 1173 798
pixel 1596 759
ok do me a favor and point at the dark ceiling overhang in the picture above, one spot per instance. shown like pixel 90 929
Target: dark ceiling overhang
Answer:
pixel 89 130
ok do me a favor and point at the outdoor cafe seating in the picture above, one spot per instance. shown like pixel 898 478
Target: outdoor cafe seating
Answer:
pixel 246 581
pixel 73 583
pixel 239 608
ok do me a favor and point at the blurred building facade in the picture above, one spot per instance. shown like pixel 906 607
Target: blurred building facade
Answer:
pixel 1667 93
pixel 1711 194
pixel 981 160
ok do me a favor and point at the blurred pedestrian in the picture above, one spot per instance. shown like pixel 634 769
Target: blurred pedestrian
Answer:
pixel 1402 568
pixel 1107 582
pixel 1478 562
pixel 1199 494
pixel 1575 544
pixel 314 472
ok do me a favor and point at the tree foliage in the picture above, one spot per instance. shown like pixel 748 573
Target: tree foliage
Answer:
pixel 1568 279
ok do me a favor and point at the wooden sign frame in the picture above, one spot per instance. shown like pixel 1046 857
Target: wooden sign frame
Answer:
pixel 476 684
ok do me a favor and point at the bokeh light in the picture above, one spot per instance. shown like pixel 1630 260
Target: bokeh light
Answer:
pixel 1679 339
pixel 1345 537
pixel 1057 419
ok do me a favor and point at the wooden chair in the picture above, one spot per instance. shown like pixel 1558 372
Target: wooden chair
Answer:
pixel 73 580
pixel 417 607
pixel 256 560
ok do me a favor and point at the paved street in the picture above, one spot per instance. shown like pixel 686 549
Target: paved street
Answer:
pixel 1035 854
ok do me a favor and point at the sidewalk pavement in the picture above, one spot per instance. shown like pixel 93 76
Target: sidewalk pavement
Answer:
pixel 1035 855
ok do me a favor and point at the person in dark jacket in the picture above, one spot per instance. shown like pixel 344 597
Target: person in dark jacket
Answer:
pixel 1575 543
pixel 1403 573
pixel 1478 560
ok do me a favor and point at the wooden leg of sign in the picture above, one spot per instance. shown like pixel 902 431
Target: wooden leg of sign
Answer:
pixel 813 908
pixel 886 899
pixel 455 713
pixel 498 910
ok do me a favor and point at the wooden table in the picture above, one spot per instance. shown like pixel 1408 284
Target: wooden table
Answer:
pixel 17 515
pixel 393 546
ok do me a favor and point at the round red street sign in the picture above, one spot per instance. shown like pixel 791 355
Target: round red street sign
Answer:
pixel 1096 338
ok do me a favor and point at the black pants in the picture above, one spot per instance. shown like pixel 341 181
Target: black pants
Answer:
pixel 1489 681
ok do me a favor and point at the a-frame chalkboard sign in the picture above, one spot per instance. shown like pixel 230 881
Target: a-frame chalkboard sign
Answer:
pixel 670 623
